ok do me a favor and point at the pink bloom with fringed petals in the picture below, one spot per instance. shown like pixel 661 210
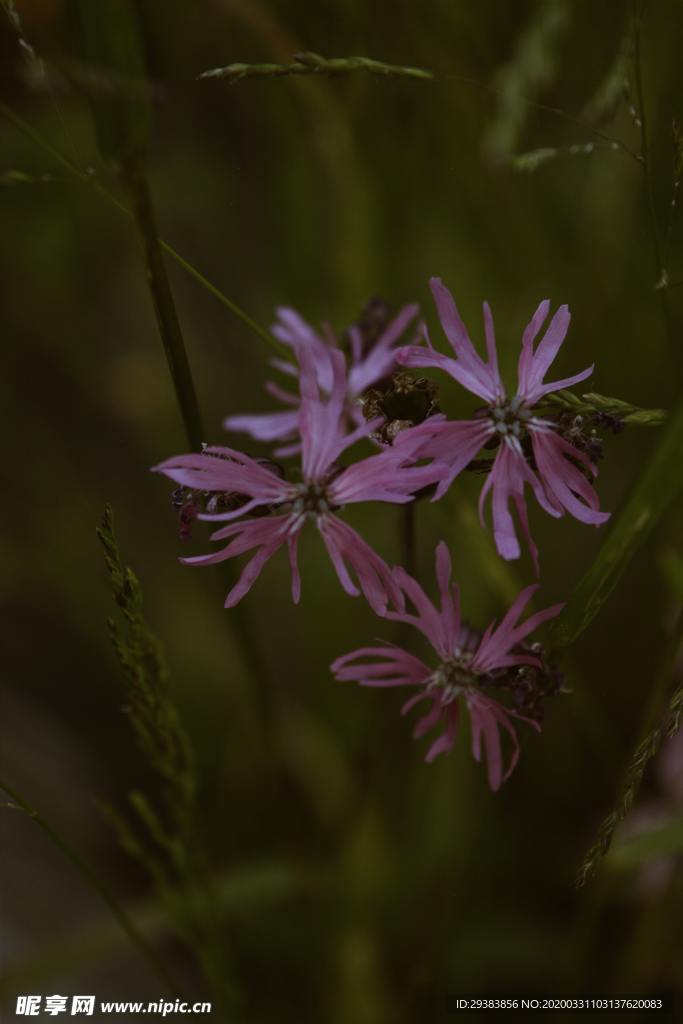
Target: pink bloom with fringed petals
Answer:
pixel 555 479
pixel 387 477
pixel 365 369
pixel 462 677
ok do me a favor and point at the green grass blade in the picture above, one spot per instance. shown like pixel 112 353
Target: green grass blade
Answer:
pixel 659 485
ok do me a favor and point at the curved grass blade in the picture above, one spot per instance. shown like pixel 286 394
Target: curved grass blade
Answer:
pixel 660 483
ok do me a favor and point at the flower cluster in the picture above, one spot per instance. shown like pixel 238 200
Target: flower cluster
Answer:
pixel 353 388
pixel 530 449
pixel 470 666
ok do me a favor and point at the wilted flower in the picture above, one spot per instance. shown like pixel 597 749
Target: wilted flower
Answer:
pixel 531 450
pixel 470 665
pixel 372 349
pixel 324 487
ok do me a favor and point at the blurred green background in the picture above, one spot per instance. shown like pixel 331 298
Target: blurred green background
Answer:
pixel 358 884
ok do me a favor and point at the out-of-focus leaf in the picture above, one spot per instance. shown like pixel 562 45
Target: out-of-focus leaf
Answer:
pixel 671 564
pixel 112 45
pixel 663 841
pixel 659 485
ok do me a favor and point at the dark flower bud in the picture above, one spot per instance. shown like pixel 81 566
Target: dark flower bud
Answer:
pixel 404 402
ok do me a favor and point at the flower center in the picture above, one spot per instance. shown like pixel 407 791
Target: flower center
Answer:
pixel 311 500
pixel 510 417
pixel 454 676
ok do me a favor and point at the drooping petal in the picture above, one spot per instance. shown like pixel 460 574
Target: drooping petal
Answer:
pixel 428 721
pixel 508 476
pixel 487 716
pixel 484 724
pixel 563 480
pixel 267 535
pixel 345 545
pixel 251 572
pixel 292 544
pixel 444 744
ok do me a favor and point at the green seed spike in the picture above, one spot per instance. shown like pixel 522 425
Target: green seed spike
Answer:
pixel 309 63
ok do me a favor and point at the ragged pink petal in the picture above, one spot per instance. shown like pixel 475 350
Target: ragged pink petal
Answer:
pixel 506 481
pixel 563 481
pixel 444 744
pixel 483 378
pixel 374 576
pixel 494 649
pixel 391 666
pixel 452 443
pixel 269 426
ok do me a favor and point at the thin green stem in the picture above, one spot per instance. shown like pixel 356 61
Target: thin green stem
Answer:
pixel 135 181
pixel 131 930
pixel 89 179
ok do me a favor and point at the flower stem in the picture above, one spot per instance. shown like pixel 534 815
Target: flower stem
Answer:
pixel 131 930
pixel 135 181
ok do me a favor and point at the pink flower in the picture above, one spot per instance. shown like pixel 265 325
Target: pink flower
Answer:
pixel 530 450
pixel 368 365
pixel 387 477
pixel 469 665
